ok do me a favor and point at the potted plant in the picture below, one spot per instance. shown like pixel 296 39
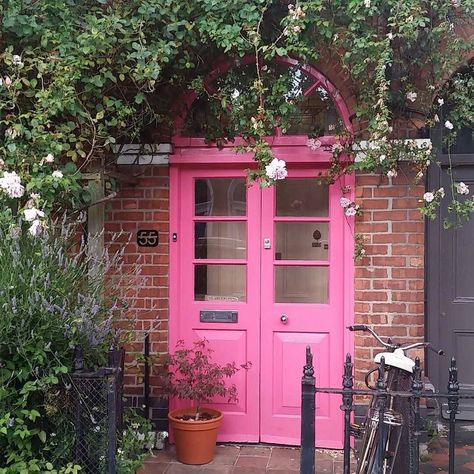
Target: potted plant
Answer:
pixel 193 376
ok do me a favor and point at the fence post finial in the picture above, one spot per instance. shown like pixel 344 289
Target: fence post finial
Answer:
pixel 308 370
pixel 78 359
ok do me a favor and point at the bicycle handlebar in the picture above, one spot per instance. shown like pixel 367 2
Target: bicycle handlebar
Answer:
pixel 364 327
pixel 436 351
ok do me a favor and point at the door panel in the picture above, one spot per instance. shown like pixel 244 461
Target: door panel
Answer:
pixel 219 271
pixel 289 349
pixel 450 290
pixel 301 305
pixel 223 343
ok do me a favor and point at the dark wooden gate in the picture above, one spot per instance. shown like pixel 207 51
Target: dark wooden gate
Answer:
pixel 450 271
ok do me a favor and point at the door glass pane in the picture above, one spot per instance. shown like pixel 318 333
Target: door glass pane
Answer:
pixel 316 116
pixel 220 239
pixel 220 197
pixel 220 282
pixel 301 284
pixel 302 241
pixel 302 197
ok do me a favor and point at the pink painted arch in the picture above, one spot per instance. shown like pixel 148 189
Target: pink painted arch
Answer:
pixel 223 66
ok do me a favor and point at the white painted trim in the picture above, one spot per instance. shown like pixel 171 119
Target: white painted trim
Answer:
pixel 363 145
pixel 143 154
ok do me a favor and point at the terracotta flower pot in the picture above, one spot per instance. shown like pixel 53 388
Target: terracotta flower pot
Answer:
pixel 195 440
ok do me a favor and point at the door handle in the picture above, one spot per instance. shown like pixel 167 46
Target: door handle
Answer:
pixel 284 319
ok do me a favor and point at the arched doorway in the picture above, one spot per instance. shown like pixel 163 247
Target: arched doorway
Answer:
pixel 262 273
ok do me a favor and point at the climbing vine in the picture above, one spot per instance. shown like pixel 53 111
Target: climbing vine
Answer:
pixel 77 78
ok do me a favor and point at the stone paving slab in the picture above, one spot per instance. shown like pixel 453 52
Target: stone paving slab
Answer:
pixel 438 458
pixel 245 459
pixel 265 459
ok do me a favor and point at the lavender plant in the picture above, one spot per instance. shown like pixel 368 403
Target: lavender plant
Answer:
pixel 50 302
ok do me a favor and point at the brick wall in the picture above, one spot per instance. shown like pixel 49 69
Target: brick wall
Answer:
pixel 389 281
pixel 143 206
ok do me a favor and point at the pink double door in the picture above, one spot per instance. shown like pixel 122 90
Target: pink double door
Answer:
pixel 260 274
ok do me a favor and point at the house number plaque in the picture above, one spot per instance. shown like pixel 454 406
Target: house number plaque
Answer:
pixel 218 316
pixel 148 238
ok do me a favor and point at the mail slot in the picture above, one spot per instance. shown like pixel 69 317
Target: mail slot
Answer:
pixel 218 316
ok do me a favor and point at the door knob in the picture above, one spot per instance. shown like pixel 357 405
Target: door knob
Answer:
pixel 284 319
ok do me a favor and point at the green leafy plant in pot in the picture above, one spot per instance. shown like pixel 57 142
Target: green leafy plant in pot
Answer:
pixel 194 376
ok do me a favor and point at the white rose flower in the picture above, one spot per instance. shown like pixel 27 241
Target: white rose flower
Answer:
pixel 411 96
pixel 36 228
pixel 11 132
pixel 367 3
pixel 441 192
pixel 462 188
pixel 49 158
pixel 382 158
pixel 350 212
pixel 7 81
pixel 32 214
pixel 428 197
pixel 392 173
pixel 390 36
pixel 440 101
pixel 16 60
pixel 448 125
pixel 11 184
pixel 313 144
pixel 345 202
pixel 57 174
pixel 276 169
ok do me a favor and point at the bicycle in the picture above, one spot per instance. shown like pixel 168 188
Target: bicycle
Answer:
pixel 394 432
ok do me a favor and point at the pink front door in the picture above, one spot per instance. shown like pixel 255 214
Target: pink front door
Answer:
pixel 260 274
pixel 301 305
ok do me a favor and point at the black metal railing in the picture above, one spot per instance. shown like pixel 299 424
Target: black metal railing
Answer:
pixel 348 392
pixel 98 413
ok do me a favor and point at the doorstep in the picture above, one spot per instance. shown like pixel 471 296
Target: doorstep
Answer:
pixel 245 459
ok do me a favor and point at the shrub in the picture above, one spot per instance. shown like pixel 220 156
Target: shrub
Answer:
pixel 192 375
pixel 49 303
pixel 135 443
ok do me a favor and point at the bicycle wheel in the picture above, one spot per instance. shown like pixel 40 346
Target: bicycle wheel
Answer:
pixel 401 380
pixel 395 458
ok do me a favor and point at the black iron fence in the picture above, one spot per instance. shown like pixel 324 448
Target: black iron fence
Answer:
pixel 348 392
pixel 98 412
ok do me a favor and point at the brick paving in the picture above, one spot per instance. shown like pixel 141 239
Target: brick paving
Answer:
pixel 254 459
pixel 248 459
pixel 438 454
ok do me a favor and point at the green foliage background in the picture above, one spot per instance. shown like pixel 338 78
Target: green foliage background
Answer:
pixel 97 72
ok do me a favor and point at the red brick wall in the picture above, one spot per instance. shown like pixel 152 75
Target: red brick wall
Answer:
pixel 144 206
pixel 389 280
